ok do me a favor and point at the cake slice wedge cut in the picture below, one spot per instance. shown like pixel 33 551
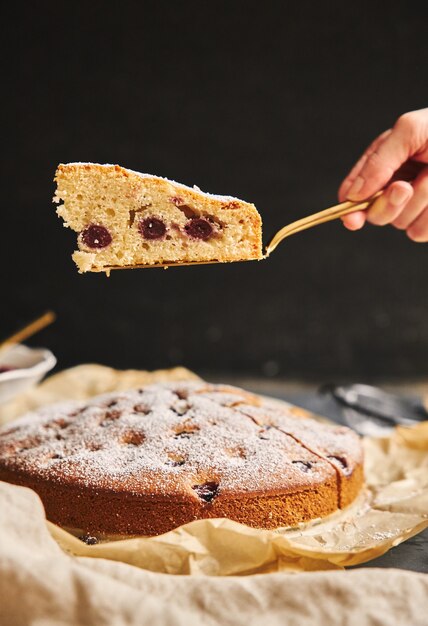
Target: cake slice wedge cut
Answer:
pixel 125 219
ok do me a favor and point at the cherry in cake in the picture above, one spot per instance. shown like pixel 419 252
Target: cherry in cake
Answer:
pixel 127 219
pixel 95 237
pixel 146 461
pixel 152 228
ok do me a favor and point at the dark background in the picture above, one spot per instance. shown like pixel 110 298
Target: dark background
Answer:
pixel 271 102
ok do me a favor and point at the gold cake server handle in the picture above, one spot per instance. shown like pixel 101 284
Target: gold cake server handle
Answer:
pixel 332 213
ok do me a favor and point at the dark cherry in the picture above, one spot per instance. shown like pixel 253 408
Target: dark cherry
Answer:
pixel 339 460
pixel 96 236
pixel 207 491
pixel 199 228
pixel 89 539
pixel 305 466
pixel 6 368
pixel 152 228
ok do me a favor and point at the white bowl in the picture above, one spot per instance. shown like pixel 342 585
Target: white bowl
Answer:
pixel 31 363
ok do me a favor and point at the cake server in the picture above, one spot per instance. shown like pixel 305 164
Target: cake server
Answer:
pixel 327 215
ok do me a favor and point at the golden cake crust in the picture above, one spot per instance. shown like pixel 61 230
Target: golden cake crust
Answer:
pixel 146 461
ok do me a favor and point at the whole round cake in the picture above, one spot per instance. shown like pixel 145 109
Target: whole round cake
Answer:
pixel 143 462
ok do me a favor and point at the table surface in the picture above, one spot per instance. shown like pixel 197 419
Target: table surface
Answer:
pixel 411 554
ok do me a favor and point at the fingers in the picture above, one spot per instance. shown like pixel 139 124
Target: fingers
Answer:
pixel 354 221
pixel 418 231
pixel 414 217
pixel 416 204
pixel 408 138
pixel 384 161
pixel 381 164
pixel 347 183
pixel 390 204
pixel 385 209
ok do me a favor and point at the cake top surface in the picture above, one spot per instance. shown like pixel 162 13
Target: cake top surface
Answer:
pixel 111 166
pixel 191 439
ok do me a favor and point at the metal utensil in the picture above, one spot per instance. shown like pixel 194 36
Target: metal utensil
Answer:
pixel 332 213
pixel 373 411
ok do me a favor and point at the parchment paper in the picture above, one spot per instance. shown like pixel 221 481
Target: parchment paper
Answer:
pixel 40 585
pixel 392 507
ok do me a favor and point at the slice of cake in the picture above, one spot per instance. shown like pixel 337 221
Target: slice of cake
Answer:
pixel 144 461
pixel 127 219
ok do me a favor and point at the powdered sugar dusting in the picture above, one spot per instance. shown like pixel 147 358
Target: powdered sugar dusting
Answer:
pixel 228 199
pixel 340 445
pixel 173 439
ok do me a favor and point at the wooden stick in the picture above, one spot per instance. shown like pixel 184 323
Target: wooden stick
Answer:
pixel 29 330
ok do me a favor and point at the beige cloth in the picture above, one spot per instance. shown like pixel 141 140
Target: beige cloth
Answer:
pixel 41 585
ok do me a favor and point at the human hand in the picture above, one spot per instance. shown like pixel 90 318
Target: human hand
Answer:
pixel 404 205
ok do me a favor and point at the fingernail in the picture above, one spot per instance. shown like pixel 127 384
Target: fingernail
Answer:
pixel 398 195
pixel 356 186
